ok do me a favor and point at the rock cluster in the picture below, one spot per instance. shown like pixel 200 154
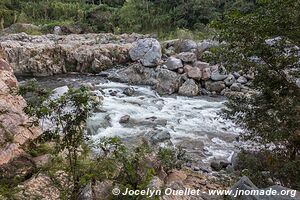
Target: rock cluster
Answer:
pixel 180 73
pixel 55 54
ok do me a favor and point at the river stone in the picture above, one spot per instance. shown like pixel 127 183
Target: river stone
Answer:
pixel 135 74
pixel 168 81
pixel 206 74
pixel 186 45
pixel 218 77
pixel 57 30
pixel 242 80
pixel 215 165
pixel 160 137
pixel 187 57
pixel 189 88
pixel 215 86
pixel 124 119
pixel 194 73
pixel 235 87
pixel 229 80
pixel 148 51
pixel 236 75
pixel 128 91
pixel 200 64
pixel 174 63
pixel 187 68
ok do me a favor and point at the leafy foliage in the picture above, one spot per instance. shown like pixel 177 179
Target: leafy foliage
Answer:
pixel 266 42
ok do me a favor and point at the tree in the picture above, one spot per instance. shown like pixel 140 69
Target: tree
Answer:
pixel 68 114
pixel 267 41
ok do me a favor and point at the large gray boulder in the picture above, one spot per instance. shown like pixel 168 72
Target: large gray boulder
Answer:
pixel 148 51
pixel 174 63
pixel 187 57
pixel 189 88
pixel 186 45
pixel 216 76
pixel 168 81
pixel 135 74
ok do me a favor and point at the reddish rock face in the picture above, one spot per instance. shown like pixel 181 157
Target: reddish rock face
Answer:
pixel 15 127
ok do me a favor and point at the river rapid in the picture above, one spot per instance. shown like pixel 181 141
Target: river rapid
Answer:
pixel 193 123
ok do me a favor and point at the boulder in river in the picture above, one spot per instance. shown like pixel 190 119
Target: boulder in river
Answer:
pixel 189 88
pixel 168 81
pixel 135 74
pixel 174 63
pixel 148 51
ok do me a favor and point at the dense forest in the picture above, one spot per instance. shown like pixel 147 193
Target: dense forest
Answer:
pixel 119 15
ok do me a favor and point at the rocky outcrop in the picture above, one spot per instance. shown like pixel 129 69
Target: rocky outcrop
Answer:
pixel 147 50
pixel 54 54
pixel 15 127
pixel 189 88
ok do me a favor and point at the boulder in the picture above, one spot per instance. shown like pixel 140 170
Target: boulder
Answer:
pixel 148 51
pixel 201 65
pixel 216 165
pixel 40 186
pixel 215 76
pixel 124 119
pixel 189 88
pixel 174 63
pixel 186 45
pixel 194 73
pixel 135 74
pixel 187 68
pixel 159 137
pixel 236 75
pixel 168 81
pixel 242 80
pixel 57 30
pixel 235 87
pixel 206 74
pixel 128 91
pixel 187 57
pixel 215 86
pixel 229 80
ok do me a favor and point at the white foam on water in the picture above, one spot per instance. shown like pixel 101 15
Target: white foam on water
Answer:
pixel 195 119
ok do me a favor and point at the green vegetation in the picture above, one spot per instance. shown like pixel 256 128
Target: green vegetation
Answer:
pixel 71 151
pixel 271 116
pixel 164 17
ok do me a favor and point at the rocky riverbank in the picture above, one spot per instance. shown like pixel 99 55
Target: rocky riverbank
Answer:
pixel 171 66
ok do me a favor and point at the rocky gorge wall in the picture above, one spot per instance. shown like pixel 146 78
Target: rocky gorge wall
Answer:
pixel 15 127
pixel 173 66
